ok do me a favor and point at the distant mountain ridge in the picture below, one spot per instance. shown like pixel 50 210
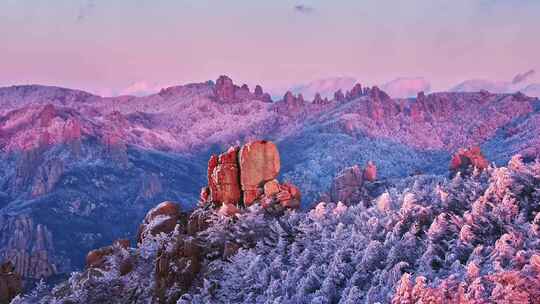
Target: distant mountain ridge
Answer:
pixel 71 158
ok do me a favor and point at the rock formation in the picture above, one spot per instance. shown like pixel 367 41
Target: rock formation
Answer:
pixel 226 91
pixel 28 245
pixel 10 283
pixel 339 96
pixel 355 92
pixel 370 172
pixel 244 176
pixel 318 100
pixel 291 105
pixel 240 177
pixel 465 160
pixel 47 176
pixel 347 186
pixel 224 177
pixel 161 219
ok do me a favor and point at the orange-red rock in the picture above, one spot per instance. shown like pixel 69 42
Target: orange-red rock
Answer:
pixel 227 186
pixel 247 175
pixel 229 157
pixel 212 164
pixel 98 257
pixel 463 159
pixel 271 188
pixel 370 172
pixel 228 210
pixel 161 219
pixel 224 178
pixel 250 196
pixel 259 162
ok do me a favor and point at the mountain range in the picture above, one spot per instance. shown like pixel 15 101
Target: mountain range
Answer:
pixel 80 170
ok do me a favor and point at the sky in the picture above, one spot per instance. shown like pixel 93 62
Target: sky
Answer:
pixel 112 47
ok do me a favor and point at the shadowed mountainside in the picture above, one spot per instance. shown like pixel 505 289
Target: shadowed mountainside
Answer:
pixel 79 170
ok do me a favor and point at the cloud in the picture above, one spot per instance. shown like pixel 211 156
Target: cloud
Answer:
pixel 303 9
pixel 85 9
pixel 522 77
pixel 141 88
pixel 405 87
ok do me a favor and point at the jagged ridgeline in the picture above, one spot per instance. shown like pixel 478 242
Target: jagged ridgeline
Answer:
pixel 79 171
pixel 472 238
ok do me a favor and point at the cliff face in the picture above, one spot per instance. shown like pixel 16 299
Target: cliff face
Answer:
pixel 56 205
pixel 29 246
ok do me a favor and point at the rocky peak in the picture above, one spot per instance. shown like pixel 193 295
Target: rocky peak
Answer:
pixel 289 98
pixel 226 91
pixel 259 94
pixel 355 92
pixel 377 94
pixel 318 100
pixel 246 175
pixel 291 105
pixel 339 96
pixel 258 91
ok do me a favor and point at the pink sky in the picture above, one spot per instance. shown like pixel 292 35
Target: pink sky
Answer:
pixel 108 46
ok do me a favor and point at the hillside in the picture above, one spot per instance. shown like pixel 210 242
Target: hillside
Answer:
pixel 80 170
pixel 427 238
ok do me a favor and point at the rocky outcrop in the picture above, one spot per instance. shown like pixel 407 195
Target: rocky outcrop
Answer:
pixel 244 176
pixel 355 92
pixel 161 219
pixel 318 100
pixel 259 94
pixel 347 186
pixel 29 246
pixel 466 160
pixel 339 96
pixel 259 163
pixel 224 177
pixel 47 176
pixel 291 105
pixel 101 258
pixel 225 91
pixel 10 283
pixel 370 172
pixel 176 268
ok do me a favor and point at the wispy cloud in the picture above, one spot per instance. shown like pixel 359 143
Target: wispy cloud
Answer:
pixel 85 9
pixel 303 9
pixel 523 76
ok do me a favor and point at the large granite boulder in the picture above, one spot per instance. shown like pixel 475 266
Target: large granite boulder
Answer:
pixel 161 219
